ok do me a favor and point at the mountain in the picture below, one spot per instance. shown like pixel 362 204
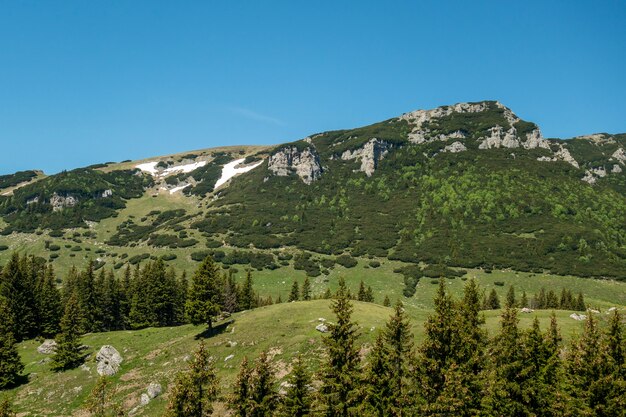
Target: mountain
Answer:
pixel 469 185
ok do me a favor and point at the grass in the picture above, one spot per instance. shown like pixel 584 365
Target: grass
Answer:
pixel 156 354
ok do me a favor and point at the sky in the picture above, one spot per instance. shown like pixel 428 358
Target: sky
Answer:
pixel 84 82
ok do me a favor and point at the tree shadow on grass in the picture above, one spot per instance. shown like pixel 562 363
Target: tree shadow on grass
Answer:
pixel 217 329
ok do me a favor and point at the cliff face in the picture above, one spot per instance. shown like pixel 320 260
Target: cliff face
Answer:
pixel 290 160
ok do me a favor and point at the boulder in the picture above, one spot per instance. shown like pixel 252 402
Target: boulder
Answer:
pixel 578 317
pixel 322 328
pixel 527 310
pixel 47 347
pixel 108 360
pixel 154 390
pixel 145 399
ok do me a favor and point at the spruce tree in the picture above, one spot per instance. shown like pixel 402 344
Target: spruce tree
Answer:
pixel 540 299
pixel 580 303
pixel 294 295
pixel 68 354
pixel 17 288
pixel 552 300
pixel 239 401
pixel 230 294
pixel 510 296
pixel 339 375
pixel 306 289
pixel 50 308
pixel 524 300
pixel 248 298
pixel 493 302
pixel 297 401
pixel 196 389
pixel 387 301
pixel 204 295
pixel 10 363
pixel 182 292
pixel 88 300
pixel 99 402
pixel 125 297
pixel 263 395
pixel 362 294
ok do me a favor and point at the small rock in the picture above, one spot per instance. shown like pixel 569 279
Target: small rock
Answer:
pixel 610 310
pixel 85 368
pixel 322 328
pixel 145 399
pixel 47 347
pixel 594 311
pixel 527 310
pixel 578 317
pixel 109 360
pixel 154 390
pixel 230 343
pixel 229 357
pixel 321 319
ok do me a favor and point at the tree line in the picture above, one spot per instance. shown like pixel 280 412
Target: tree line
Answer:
pixel 457 370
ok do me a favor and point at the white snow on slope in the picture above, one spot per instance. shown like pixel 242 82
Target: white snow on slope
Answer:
pixel 175 189
pixel 150 167
pixel 230 171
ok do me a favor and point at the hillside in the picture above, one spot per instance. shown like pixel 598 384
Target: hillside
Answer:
pixel 470 185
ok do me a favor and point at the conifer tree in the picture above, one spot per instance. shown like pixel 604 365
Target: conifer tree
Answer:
pixel 565 303
pixel 615 342
pixel 580 303
pixel 263 395
pixel 524 300
pixel 297 401
pixel 306 289
pixel 510 296
pixel 362 294
pixel 88 300
pixel 552 300
pixel 493 302
pixel 196 389
pixel 204 296
pixel 68 354
pixel 10 363
pixel 540 299
pixel 182 292
pixel 327 294
pixel 17 288
pixel 125 297
pixel 294 295
pixel 230 294
pixel 99 402
pixel 339 375
pixel 387 301
pixel 50 308
pixel 239 401
pixel 248 298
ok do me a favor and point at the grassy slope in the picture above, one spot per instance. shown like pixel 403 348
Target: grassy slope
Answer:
pixel 155 355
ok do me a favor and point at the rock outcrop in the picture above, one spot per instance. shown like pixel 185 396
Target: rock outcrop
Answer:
pixel 59 202
pixel 455 147
pixel 305 164
pixel 47 347
pixel 620 156
pixel 500 138
pixel 108 360
pixel 370 155
pixel 562 154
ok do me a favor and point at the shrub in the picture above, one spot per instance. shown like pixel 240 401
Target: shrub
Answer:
pixel 499 283
pixel 3 248
pixel 54 248
pixel 374 264
pixel 346 261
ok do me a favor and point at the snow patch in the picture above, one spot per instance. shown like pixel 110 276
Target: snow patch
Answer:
pixel 150 167
pixel 176 189
pixel 229 170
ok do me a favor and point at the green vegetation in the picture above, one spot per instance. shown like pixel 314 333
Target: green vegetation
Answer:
pixel 19 177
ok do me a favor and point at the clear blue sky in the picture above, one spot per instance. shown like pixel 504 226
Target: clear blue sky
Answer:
pixel 83 82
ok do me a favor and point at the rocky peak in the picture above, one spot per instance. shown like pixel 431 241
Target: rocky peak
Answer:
pixel 289 160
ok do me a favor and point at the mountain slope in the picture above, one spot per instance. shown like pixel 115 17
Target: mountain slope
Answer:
pixel 468 185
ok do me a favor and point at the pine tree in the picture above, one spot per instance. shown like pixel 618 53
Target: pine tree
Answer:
pixel 248 298
pixel 306 289
pixel 88 300
pixel 327 294
pixel 565 303
pixel 182 292
pixel 552 300
pixel 615 342
pixel 50 308
pixel 230 294
pixel 387 301
pixel 239 401
pixel 297 401
pixel 362 294
pixel 125 297
pixel 6 409
pixel 294 295
pixel 204 296
pixel 196 389
pixel 10 363
pixel 263 396
pixel 68 354
pixel 98 403
pixel 580 303
pixel 339 375
pixel 493 302
pixel 540 299
pixel 17 288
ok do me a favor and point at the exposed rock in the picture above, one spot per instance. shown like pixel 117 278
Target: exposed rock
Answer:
pixel 500 138
pixel 527 310
pixel 597 138
pixel 108 360
pixel 85 368
pixel 305 164
pixel 145 399
pixel 593 174
pixel 107 193
pixel 592 310
pixel 455 147
pixel 534 140
pixel 370 154
pixel 32 201
pixel 578 317
pixel 620 156
pixel 154 390
pixel 563 154
pixel 322 328
pixel 229 357
pixel 230 343
pixel 59 202
pixel 616 169
pixel 47 347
